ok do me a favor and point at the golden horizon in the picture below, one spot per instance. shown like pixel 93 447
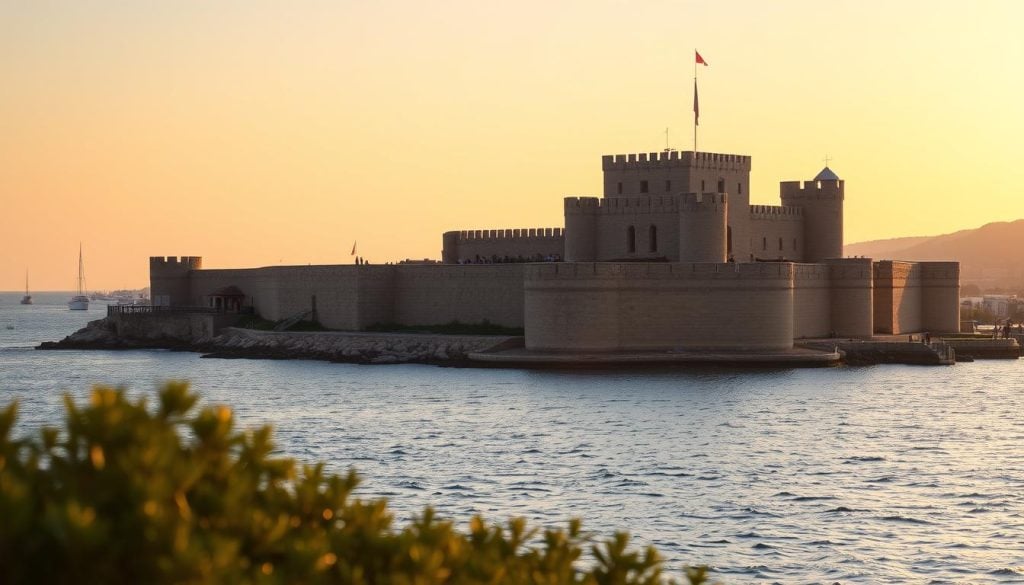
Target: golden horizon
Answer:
pixel 272 135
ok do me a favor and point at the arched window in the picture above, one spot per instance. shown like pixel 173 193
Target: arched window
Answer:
pixel 652 238
pixel 721 185
pixel 631 239
pixel 794 244
pixel 780 244
pixel 739 188
pixel 764 243
pixel 728 239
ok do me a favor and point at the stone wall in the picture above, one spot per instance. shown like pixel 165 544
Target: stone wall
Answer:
pixel 431 295
pixel 658 306
pixel 822 205
pixel 349 297
pixel 852 297
pixel 940 296
pixel 897 297
pixel 775 232
pixel 812 301
pixel 168 327
pixel 612 305
pixel 483 245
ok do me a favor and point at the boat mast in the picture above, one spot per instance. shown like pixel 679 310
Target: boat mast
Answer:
pixel 81 269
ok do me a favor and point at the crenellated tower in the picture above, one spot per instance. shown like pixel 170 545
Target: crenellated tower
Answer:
pixel 170 279
pixel 702 227
pixel 822 202
pixel 674 172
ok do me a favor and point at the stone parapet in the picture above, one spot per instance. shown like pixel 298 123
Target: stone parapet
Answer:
pixel 705 160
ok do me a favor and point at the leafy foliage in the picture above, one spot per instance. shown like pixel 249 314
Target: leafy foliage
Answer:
pixel 132 494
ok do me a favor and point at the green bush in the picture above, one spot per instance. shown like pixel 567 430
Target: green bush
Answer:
pixel 132 494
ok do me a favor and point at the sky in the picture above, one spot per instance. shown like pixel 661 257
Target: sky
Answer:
pixel 258 133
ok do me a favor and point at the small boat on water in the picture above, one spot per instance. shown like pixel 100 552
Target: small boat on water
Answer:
pixel 80 302
pixel 27 299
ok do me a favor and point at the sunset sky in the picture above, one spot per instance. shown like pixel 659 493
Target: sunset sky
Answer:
pixel 255 133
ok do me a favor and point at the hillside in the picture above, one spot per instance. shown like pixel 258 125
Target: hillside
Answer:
pixel 991 256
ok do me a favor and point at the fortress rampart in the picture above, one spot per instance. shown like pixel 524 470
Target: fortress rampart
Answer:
pixel 774 212
pixel 502 245
pixel 675 158
pixel 675 227
pixel 822 204
pixel 776 232
pixel 672 257
pixel 635 307
pixel 897 297
pixel 170 275
pixel 940 296
pixel 600 306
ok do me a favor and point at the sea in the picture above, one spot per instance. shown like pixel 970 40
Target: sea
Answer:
pixel 880 474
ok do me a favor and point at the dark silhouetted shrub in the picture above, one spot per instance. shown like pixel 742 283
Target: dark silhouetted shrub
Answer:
pixel 128 493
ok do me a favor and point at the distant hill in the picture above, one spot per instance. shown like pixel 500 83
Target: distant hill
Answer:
pixel 991 256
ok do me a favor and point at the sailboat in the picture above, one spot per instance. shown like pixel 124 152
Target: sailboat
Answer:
pixel 80 302
pixel 27 299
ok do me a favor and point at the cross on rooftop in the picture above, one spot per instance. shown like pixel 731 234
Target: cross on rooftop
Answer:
pixel 827 158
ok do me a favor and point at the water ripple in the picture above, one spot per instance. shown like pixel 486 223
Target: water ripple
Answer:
pixel 851 475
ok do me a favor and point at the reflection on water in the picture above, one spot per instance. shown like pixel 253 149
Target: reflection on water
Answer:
pixel 881 474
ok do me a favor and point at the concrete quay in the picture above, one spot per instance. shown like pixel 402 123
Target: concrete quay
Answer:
pixel 521 357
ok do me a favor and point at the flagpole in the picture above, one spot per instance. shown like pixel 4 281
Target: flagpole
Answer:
pixel 695 97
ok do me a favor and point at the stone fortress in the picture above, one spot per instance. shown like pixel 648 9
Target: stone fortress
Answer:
pixel 673 257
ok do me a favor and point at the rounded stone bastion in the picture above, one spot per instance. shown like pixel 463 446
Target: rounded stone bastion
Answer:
pixel 610 306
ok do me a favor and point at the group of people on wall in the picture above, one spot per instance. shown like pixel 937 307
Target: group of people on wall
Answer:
pixel 1007 329
pixel 495 259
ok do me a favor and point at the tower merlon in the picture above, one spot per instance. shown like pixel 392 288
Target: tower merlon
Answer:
pixel 812 189
pixel 189 262
pixel 675 158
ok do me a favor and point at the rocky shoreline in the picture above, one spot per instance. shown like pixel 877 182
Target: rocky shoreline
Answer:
pixel 333 346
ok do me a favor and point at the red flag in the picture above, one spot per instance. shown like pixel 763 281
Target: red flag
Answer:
pixel 700 60
pixel 696 105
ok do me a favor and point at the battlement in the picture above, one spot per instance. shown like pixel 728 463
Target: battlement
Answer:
pixel 680 271
pixel 776 212
pixel 811 272
pixel 858 269
pixel 187 262
pixel 675 158
pixel 506 234
pixel 896 270
pixel 812 189
pixel 644 203
pixel 940 271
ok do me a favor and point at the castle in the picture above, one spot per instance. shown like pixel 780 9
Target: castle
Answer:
pixel 672 257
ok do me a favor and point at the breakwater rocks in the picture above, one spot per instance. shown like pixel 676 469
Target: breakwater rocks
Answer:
pixel 103 334
pixel 334 346
pixel 362 348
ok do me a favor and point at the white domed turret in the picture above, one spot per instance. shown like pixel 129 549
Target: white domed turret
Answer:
pixel 822 202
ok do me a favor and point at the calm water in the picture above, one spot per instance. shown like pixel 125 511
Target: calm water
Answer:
pixel 853 475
